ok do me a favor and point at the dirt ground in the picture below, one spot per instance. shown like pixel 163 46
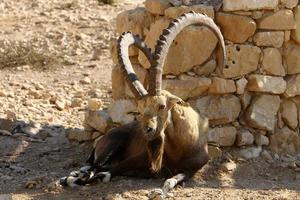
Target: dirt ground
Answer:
pixel 48 85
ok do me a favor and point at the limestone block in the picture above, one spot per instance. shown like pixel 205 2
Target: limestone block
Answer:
pixel 269 39
pixel 233 5
pixel 224 136
pixel 206 69
pixel 120 111
pixel 272 62
pixel 296 31
pixel 187 87
pixel 291 57
pixel 289 3
pixel 157 7
pixel 280 20
pixel 244 137
pixel 219 109
pixel 175 12
pixel 241 60
pixel 262 112
pixel 222 86
pixel 192 47
pixel 293 86
pixel 268 84
pixel 241 85
pixel 289 113
pixel 236 28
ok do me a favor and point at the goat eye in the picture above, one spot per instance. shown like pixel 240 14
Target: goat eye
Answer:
pixel 161 107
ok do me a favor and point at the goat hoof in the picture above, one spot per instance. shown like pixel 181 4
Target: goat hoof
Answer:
pixel 75 173
pixel 63 181
pixel 103 176
pixel 157 194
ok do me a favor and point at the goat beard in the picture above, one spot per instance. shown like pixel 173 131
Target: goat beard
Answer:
pixel 155 149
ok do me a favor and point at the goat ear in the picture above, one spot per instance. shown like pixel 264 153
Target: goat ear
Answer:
pixel 172 100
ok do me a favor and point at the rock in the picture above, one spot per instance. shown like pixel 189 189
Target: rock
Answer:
pixel 285 141
pixel 120 111
pixel 224 136
pixel 187 87
pixel 236 28
pixel 296 31
pixel 94 104
pixel 280 20
pixel 293 87
pixel 244 137
pixel 6 196
pixel 262 112
pixel 3 93
pixel 250 152
pixel 261 140
pixel 269 38
pixel 241 85
pixel 120 88
pixel 60 104
pixel 219 109
pixel 233 5
pixel 206 69
pixel 214 152
pixel 289 113
pixel 245 100
pixel 297 177
pixel 76 102
pixel 272 62
pixel 291 52
pixel 134 20
pixel 241 60
pixel 98 120
pixel 289 3
pixel 266 155
pixel 228 166
pixel 86 80
pixel 5 132
pixel 221 86
pixel 268 84
pixel 78 135
pixel 157 7
pixel 175 12
pixel 198 44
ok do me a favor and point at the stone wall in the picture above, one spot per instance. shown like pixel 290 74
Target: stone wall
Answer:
pixel 256 103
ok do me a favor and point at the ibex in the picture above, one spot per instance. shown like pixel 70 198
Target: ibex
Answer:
pixel 168 138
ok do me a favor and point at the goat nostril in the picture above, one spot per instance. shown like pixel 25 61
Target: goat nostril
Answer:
pixel 148 129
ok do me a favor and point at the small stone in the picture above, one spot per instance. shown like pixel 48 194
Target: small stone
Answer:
pixel 214 152
pixel 244 137
pixel 60 104
pixel 76 102
pixel 221 86
pixel 78 135
pixel 241 85
pixel 3 93
pixel 250 152
pixel 86 80
pixel 224 136
pixel 229 166
pixel 94 104
pixel 267 84
pixel 261 140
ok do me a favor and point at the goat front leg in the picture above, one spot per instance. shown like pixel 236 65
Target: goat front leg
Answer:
pixel 137 163
pixel 188 168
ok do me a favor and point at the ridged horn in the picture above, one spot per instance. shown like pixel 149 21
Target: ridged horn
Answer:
pixel 125 41
pixel 166 39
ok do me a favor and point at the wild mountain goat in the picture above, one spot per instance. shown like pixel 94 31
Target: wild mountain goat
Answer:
pixel 168 138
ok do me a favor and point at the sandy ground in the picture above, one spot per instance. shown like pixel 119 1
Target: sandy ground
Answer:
pixel 69 62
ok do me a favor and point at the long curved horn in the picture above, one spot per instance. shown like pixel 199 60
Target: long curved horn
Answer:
pixel 166 39
pixel 125 41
